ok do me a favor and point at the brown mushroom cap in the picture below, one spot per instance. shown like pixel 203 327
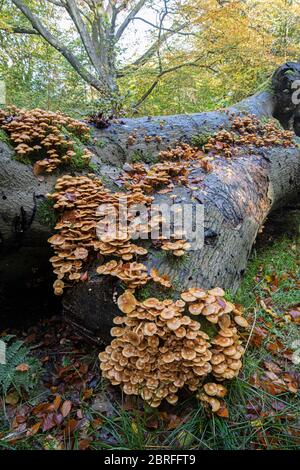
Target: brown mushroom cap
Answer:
pixel 149 329
pixel 188 354
pixel 196 308
pixel 211 389
pixel 127 302
pixel 174 323
pixel 188 297
pixel 217 292
pixel 172 399
pixel 168 357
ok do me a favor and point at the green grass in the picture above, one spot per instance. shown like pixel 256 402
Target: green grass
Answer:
pixel 276 260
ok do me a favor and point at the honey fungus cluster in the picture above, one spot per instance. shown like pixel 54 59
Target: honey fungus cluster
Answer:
pixel 38 133
pixel 250 132
pixel 84 227
pixel 158 349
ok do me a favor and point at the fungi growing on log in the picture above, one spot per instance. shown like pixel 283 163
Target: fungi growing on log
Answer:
pixel 37 133
pixel 157 350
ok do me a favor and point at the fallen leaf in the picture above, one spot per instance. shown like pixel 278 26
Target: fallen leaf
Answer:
pixel 84 444
pixel 295 315
pixel 33 429
pixel 134 428
pixel 66 408
pixel 223 411
pixel 70 426
pixel 88 392
pixel 48 422
pixel 57 402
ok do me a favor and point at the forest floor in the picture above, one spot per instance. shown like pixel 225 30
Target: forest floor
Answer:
pixel 57 399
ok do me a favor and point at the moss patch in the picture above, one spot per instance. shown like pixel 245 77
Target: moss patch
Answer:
pixel 4 138
pixel 200 140
pixel 45 213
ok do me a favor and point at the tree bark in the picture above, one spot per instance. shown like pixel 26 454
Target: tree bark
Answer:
pixel 237 196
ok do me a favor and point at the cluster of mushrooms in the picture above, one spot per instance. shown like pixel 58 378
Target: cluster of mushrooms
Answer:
pixel 148 178
pixel 181 152
pixel 158 349
pixel 248 131
pixel 134 274
pixel 37 133
pixel 83 228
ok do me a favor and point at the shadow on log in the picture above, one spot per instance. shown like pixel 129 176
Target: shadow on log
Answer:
pixel 237 197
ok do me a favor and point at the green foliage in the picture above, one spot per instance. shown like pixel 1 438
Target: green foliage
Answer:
pixel 4 137
pixel 46 214
pixel 136 157
pixel 100 143
pixel 10 378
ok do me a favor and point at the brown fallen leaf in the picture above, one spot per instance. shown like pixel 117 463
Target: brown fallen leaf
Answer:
pixel 57 402
pixel 295 315
pixel 48 422
pixel 70 426
pixel 88 392
pixel 66 408
pixel 84 444
pixel 223 411
pixel 33 429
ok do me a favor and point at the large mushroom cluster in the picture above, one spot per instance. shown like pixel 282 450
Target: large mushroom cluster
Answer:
pixel 248 131
pixel 37 133
pixel 158 349
pixel 77 199
pixel 84 227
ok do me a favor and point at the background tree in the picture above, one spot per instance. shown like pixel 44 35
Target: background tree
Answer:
pixel 100 27
pixel 168 57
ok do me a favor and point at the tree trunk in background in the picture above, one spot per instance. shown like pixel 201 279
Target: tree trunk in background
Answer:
pixel 236 204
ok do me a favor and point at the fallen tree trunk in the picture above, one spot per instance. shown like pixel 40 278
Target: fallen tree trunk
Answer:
pixel 237 196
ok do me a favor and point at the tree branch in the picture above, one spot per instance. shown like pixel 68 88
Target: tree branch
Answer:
pixel 143 59
pixel 129 18
pixel 169 70
pixel 80 25
pixel 56 3
pixel 71 58
pixel 163 28
pixel 17 30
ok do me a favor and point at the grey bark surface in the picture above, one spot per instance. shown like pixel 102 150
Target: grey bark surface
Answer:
pixel 237 197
